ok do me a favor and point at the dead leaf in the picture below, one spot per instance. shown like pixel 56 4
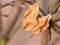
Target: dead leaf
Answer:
pixel 42 25
pixel 29 19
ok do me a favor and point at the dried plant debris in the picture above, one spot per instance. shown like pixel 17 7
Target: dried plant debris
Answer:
pixel 30 21
pixel 43 24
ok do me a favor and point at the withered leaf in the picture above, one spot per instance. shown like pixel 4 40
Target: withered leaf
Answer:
pixel 29 19
pixel 43 24
pixel 32 22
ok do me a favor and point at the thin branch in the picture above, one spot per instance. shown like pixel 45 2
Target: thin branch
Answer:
pixel 55 9
pixel 52 7
pixel 39 7
pixel 56 17
pixel 55 14
pixel 57 26
pixel 56 29
pixel 12 4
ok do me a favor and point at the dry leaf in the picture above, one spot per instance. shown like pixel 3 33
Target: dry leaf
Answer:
pixel 29 19
pixel 42 25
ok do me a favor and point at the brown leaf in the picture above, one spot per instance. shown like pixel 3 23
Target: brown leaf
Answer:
pixel 42 25
pixel 29 19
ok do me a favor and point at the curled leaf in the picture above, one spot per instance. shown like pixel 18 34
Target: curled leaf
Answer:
pixel 29 19
pixel 32 21
pixel 43 24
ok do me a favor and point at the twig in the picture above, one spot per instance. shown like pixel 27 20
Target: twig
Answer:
pixel 56 17
pixel 57 26
pixel 53 6
pixel 39 7
pixel 56 9
pixel 12 4
pixel 56 29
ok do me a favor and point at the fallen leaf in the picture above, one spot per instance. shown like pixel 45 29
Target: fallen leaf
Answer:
pixel 29 19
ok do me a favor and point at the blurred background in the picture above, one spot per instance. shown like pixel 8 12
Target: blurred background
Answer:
pixel 22 37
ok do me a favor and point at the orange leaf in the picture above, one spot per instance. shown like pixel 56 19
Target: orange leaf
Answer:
pixel 42 25
pixel 29 19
